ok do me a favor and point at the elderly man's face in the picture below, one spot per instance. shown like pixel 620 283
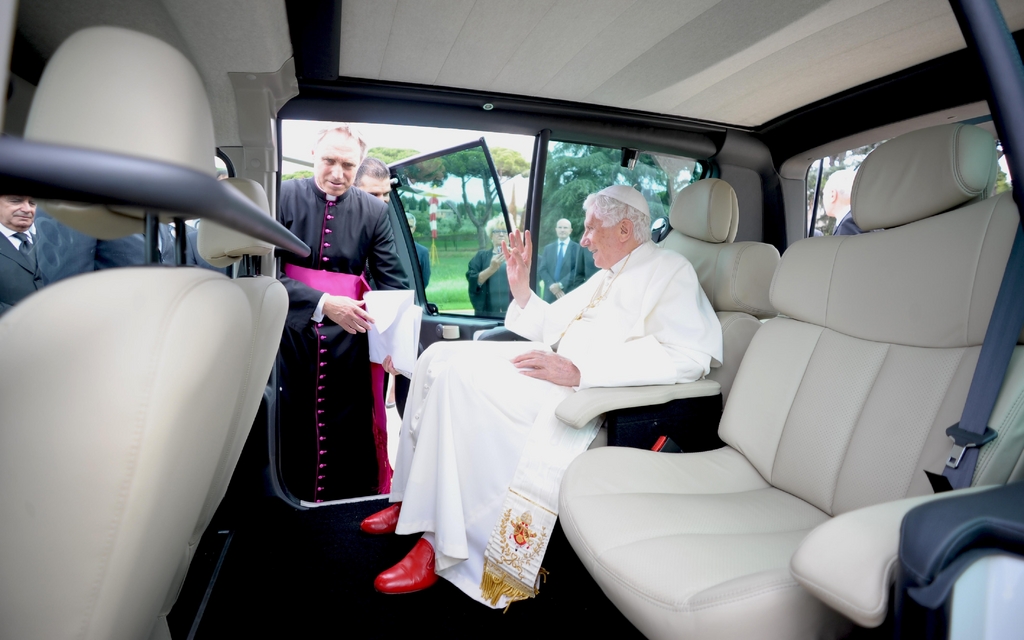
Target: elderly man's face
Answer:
pixel 17 212
pixel 335 161
pixel 376 187
pixel 607 244
pixel 563 229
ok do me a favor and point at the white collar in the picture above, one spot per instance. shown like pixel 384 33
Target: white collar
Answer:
pixel 641 251
pixel 10 232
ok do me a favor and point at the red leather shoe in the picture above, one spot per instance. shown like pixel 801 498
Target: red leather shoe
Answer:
pixel 414 573
pixel 383 521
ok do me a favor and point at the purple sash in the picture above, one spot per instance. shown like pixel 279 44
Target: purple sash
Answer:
pixel 348 285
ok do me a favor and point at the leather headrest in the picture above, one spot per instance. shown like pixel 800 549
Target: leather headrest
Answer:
pixel 221 246
pixel 707 210
pixel 114 90
pixel 922 173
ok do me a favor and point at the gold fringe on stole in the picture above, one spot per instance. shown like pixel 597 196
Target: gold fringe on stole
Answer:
pixel 497 582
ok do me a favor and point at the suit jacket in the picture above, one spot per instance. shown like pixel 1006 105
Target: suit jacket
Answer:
pixel 585 267
pixel 423 257
pixel 18 276
pixel 847 227
pixel 61 251
pixel 129 251
pixel 548 262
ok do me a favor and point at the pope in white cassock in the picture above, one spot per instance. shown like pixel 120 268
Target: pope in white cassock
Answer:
pixel 481 453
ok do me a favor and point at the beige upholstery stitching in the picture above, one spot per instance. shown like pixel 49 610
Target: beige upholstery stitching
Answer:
pixel 132 461
pixel 803 376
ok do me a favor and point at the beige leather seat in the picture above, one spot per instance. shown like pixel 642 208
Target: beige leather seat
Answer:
pixel 113 425
pixel 268 306
pixel 735 276
pixel 838 407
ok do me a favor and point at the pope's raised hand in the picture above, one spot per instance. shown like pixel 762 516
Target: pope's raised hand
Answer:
pixel 518 254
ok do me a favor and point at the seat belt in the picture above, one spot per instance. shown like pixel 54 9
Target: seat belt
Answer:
pixel 1004 327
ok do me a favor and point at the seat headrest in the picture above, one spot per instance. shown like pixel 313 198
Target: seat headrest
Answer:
pixel 707 210
pixel 221 246
pixel 922 173
pixel 114 90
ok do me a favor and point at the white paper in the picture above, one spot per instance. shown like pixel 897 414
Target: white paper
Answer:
pixel 396 328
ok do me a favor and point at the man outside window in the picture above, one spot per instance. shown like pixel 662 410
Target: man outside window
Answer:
pixel 835 198
pixel 19 267
pixel 557 267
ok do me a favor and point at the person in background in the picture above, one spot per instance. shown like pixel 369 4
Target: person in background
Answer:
pixel 488 282
pixel 557 268
pixel 19 268
pixel 835 198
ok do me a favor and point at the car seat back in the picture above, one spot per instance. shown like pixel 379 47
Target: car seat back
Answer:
pixel 735 276
pixel 845 401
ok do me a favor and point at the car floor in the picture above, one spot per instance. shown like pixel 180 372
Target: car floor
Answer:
pixel 293 573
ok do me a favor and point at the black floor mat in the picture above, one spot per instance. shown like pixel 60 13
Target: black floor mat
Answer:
pixel 293 573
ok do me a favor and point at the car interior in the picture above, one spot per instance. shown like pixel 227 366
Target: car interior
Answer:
pixel 851 468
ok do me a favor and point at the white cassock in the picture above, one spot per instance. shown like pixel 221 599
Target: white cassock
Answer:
pixel 471 414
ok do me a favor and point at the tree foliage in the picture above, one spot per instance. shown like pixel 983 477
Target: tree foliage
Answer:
pixel 301 173
pixel 387 155
pixel 509 163
pixel 575 171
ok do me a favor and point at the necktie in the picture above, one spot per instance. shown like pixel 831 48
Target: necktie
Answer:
pixel 558 263
pixel 26 248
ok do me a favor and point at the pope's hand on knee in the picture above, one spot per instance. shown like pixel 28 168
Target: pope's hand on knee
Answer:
pixel 545 365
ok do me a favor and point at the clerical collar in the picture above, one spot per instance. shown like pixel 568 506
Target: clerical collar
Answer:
pixel 641 252
pixel 326 196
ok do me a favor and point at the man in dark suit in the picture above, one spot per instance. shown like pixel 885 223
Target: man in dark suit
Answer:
pixel 422 253
pixel 557 267
pixel 835 197
pixel 130 251
pixel 585 267
pixel 19 269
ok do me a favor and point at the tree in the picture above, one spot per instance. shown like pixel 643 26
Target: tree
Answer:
pixel 468 165
pixel 301 173
pixel 509 163
pixel 387 155
pixel 574 171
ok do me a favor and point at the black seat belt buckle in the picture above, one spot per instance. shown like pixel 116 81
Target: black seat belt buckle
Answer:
pixel 964 440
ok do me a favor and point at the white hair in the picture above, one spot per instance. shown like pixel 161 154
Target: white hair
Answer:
pixel 495 224
pixel 345 129
pixel 841 181
pixel 610 211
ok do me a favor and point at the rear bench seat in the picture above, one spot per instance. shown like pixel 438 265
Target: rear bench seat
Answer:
pixel 839 405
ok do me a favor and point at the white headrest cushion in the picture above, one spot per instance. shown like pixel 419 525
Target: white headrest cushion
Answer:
pixel 931 283
pixel 707 210
pixel 221 246
pixel 115 90
pixel 922 173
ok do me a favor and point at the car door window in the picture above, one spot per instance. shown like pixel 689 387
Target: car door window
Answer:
pixel 455 203
pixel 573 172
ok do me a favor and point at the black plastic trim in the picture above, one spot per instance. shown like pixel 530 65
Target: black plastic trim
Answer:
pixel 55 172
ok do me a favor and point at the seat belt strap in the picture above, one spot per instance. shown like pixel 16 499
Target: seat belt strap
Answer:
pixel 1000 338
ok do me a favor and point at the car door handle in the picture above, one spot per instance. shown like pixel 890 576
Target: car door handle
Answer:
pixel 447 331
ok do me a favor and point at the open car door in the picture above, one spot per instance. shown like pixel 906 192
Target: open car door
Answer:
pixel 446 205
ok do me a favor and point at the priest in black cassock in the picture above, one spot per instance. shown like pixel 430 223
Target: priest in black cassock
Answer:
pixel 330 446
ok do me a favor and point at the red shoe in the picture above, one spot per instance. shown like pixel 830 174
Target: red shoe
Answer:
pixel 383 521
pixel 414 573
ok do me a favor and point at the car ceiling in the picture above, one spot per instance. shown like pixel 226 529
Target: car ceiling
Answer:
pixel 738 62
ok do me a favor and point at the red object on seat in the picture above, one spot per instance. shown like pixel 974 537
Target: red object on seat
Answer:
pixel 659 444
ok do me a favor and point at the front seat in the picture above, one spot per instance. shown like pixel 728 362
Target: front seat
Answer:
pixel 268 306
pixel 838 408
pixel 735 276
pixel 119 385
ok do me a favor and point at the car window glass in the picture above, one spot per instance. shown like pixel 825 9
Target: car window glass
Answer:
pixel 833 190
pixel 573 172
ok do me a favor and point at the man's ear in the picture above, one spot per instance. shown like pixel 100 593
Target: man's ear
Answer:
pixel 625 230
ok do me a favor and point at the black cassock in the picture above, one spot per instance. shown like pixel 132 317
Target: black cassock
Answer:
pixel 327 444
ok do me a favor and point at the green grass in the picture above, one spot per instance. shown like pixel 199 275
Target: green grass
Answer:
pixel 449 289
